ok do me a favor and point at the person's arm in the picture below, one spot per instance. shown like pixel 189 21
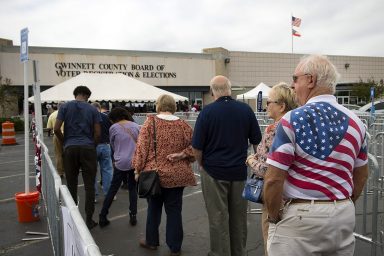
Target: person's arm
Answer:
pixel 174 157
pixel 198 156
pixel 186 152
pixel 57 130
pixel 143 145
pixel 360 176
pixel 273 191
pixel 96 132
pixel 50 124
pixel 255 133
pixel 254 148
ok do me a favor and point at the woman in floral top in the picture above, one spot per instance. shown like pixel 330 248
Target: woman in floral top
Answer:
pixel 281 100
pixel 173 161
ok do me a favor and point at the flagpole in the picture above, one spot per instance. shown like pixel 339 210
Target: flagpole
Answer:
pixel 291 32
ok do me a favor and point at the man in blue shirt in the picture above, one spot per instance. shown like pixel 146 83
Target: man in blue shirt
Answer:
pixel 81 135
pixel 220 143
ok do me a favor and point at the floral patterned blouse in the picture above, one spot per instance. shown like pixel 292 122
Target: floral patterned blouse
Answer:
pixel 173 136
pixel 257 161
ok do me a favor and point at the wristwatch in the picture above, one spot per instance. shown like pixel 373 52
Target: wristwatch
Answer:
pixel 272 220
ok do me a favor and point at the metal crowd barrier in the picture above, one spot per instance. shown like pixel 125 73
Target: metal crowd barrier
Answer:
pixel 379 153
pixel 376 239
pixel 56 195
pixel 50 191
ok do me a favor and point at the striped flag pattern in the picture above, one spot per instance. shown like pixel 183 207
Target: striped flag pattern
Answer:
pixel 296 33
pixel 319 145
pixel 296 22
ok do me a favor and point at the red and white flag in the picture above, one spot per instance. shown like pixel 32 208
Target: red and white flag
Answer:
pixel 296 33
pixel 296 22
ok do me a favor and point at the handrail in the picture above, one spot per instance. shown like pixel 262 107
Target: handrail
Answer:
pixel 91 247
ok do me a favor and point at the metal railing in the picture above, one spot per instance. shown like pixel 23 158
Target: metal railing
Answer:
pixel 376 239
pixel 50 192
pixel 56 195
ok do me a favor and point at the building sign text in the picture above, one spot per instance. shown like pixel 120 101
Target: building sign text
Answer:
pixel 72 69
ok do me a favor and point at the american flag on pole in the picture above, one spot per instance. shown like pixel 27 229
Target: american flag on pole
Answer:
pixel 296 22
pixel 296 33
pixel 319 144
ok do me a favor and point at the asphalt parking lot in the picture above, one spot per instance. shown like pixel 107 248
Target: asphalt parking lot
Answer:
pixel 119 238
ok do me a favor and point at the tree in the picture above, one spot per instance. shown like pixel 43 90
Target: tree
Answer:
pixel 8 96
pixel 363 89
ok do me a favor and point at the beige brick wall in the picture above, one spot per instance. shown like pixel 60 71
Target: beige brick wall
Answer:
pixel 250 68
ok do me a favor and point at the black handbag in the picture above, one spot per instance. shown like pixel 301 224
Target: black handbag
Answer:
pixel 253 189
pixel 149 182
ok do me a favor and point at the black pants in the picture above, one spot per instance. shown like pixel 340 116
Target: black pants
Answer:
pixel 84 158
pixel 172 199
pixel 118 176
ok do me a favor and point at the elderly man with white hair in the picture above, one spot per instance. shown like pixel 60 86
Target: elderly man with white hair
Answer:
pixel 318 166
pixel 220 142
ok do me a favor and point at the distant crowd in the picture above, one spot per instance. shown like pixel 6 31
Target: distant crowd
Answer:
pixel 132 107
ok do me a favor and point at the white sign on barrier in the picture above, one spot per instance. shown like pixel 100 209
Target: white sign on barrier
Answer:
pixel 73 244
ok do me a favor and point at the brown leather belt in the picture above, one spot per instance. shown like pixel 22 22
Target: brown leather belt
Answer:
pixel 307 201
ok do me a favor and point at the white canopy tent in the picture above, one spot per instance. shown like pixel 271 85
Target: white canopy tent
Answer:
pixel 106 87
pixel 252 94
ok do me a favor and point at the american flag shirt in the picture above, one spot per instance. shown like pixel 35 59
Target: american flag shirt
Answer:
pixel 319 145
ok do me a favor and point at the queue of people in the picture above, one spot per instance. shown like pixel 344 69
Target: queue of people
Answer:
pixel 313 160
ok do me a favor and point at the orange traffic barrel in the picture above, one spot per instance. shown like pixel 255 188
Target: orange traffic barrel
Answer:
pixel 8 133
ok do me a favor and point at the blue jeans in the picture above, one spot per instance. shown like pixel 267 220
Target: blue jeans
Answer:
pixel 105 163
pixel 172 198
pixel 118 176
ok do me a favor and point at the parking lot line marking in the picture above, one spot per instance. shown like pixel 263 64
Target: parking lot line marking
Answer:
pixel 18 246
pixel 7 200
pixel 31 175
pixel 10 152
pixel 18 161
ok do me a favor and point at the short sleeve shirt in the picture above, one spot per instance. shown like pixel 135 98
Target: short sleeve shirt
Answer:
pixel 222 132
pixel 319 145
pixel 79 119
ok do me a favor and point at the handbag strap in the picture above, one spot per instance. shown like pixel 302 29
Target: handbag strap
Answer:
pixel 129 132
pixel 154 140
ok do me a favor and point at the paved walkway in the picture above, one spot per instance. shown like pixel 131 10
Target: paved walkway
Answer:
pixel 119 238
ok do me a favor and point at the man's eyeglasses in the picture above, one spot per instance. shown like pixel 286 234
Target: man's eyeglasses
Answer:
pixel 295 77
pixel 271 101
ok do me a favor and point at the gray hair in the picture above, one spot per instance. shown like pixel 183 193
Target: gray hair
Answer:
pixel 321 67
pixel 220 86
pixel 165 103
pixel 96 105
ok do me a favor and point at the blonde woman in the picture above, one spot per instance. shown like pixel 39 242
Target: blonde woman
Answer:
pixel 281 100
pixel 173 162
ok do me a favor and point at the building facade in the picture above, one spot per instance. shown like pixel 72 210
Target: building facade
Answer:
pixel 187 74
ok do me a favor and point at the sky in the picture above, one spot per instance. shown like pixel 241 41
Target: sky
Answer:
pixel 331 27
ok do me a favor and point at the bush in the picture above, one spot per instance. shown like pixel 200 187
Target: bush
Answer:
pixel 19 124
